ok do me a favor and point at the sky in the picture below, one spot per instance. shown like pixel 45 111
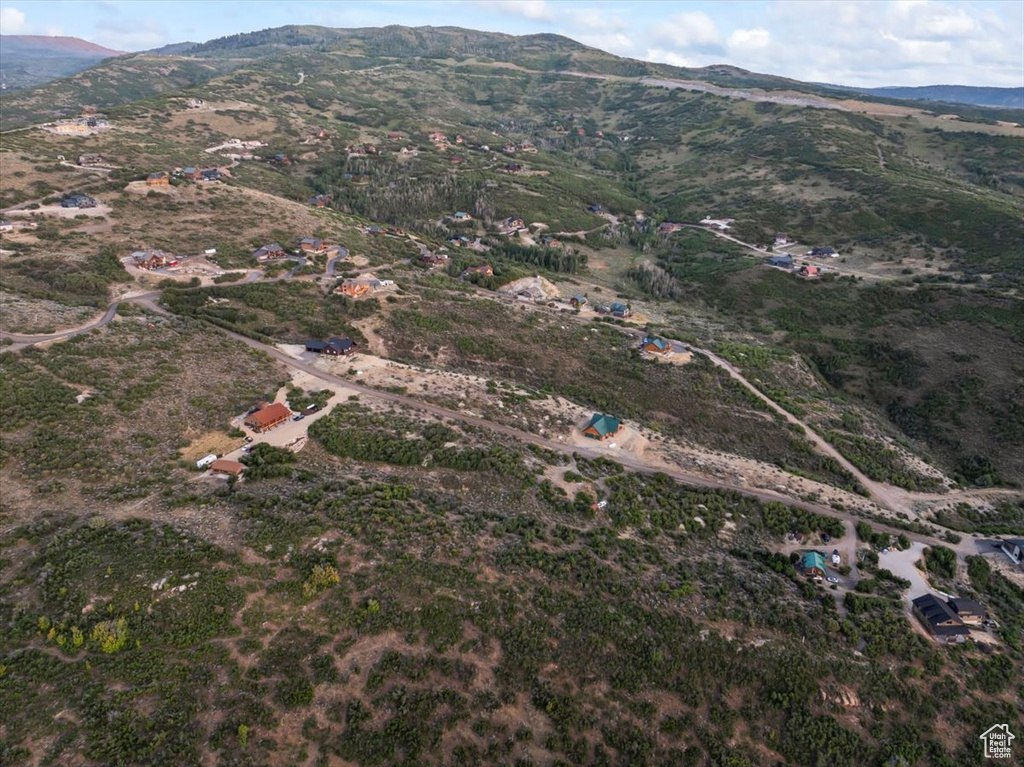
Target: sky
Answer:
pixel 863 43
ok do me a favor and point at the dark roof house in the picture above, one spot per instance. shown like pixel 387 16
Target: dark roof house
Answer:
pixel 939 618
pixel 781 260
pixel 334 347
pixel 269 251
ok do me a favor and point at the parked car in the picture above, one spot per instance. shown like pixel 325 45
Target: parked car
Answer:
pixel 885 551
pixel 248 438
pixel 825 537
pixel 298 417
pixel 311 409
pixel 832 579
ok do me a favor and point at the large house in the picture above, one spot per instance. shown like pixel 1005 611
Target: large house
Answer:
pixel 78 201
pixel 602 426
pixel 578 301
pixel 940 620
pixel 313 245
pixel 461 215
pixel 269 252
pixel 358 287
pixel 151 259
pixel 812 564
pixel 158 179
pixel 90 158
pixel 783 259
pixel 435 259
pixel 830 252
pixel 809 271
pixel 619 310
pixel 268 417
pixel 655 346
pixel 320 200
pixel 333 347
pixel 510 226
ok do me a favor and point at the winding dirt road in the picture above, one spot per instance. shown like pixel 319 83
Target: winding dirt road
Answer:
pixel 968 545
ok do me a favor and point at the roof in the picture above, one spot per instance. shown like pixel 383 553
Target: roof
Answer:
pixel 270 248
pixel 604 424
pixel 579 298
pixel 316 242
pixel 270 414
pixel 811 559
pixel 618 308
pixel 226 466
pixel 936 612
pixel 967 607
pixel 341 344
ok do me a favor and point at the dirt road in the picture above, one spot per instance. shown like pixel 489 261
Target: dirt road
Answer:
pixel 968 545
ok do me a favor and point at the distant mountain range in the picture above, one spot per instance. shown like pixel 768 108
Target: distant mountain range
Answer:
pixel 28 60
pixel 1006 98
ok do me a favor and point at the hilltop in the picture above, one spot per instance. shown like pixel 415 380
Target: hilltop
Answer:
pixel 28 60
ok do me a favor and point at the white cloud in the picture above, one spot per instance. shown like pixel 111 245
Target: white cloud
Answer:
pixel 749 39
pixel 686 30
pixel 528 9
pixel 127 34
pixel 595 19
pixel 612 42
pixel 12 21
pixel 908 42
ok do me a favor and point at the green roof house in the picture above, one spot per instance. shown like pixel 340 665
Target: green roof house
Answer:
pixel 602 426
pixel 812 564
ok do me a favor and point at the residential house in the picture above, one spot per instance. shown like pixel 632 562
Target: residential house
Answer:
pixel 526 146
pixel 812 564
pixel 194 103
pixel 1014 549
pixel 619 310
pixel 438 137
pixel 510 226
pixel 282 159
pixel 809 271
pixel 78 201
pixel 151 259
pixel 548 241
pixel 90 158
pixel 655 346
pixel 333 347
pixel 459 139
pixel 434 259
pixel 320 200
pixel 509 148
pixel 313 245
pixel 578 301
pixel 225 466
pixel 158 179
pixel 484 270
pixel 939 619
pixel 459 240
pixel 269 252
pixel 192 173
pixel 595 208
pixel 358 287
pixel 782 239
pixel 6 226
pixel 374 230
pixel 268 417
pixel 822 252
pixel 669 227
pixel 602 426
pixel 513 167
pixel 461 216
pixel 394 136
pixel 782 259
pixel 970 612
pixel 212 174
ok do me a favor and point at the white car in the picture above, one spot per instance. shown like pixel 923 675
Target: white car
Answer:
pixel 832 579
